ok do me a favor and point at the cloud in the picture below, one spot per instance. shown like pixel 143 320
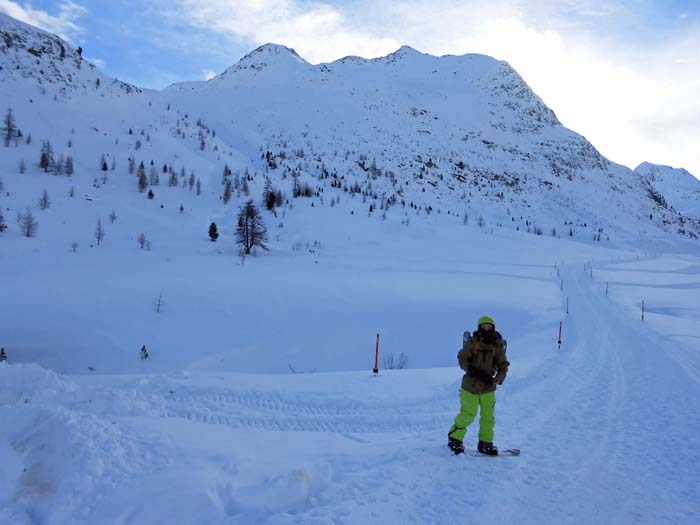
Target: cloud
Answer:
pixel 62 24
pixel 622 73
pixel 208 74
pixel 318 31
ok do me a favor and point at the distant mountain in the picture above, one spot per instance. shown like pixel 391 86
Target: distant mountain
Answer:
pixel 451 138
pixel 678 186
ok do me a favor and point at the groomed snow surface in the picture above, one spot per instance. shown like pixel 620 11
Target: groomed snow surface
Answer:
pixel 608 424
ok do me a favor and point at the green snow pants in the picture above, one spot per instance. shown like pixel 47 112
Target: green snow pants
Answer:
pixel 469 404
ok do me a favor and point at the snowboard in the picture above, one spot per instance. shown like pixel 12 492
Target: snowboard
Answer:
pixel 501 453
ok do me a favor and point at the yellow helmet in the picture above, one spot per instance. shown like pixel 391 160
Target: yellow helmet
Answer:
pixel 487 320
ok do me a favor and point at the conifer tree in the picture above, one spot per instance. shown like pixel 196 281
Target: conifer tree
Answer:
pixel 9 128
pixel 44 201
pixel 46 156
pixel 3 226
pixel 69 166
pixel 228 191
pixel 213 232
pixel 27 224
pixel 99 232
pixel 143 181
pixel 250 228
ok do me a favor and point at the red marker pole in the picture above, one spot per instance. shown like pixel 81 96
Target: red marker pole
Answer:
pixel 376 357
pixel 559 342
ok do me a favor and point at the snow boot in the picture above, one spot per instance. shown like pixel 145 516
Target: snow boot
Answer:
pixel 488 448
pixel 456 446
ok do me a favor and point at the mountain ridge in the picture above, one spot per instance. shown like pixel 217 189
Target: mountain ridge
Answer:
pixel 410 132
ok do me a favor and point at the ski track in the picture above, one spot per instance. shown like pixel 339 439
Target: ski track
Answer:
pixel 595 435
pixel 597 424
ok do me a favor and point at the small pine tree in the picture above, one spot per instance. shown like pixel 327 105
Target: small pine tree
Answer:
pixel 112 217
pixel 228 191
pixel 3 355
pixel 132 165
pixel 22 167
pixel 69 166
pixel 46 156
pixel 99 232
pixel 59 167
pixel 27 224
pixel 142 182
pixel 150 194
pixel 103 163
pixel 142 240
pixel 213 232
pixel 144 353
pixel 9 128
pixel 3 226
pixel 199 187
pixel 44 201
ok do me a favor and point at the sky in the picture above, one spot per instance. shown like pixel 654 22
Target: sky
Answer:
pixel 623 73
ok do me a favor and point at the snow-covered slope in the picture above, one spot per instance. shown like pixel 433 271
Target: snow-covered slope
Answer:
pixel 679 187
pixel 421 184
pixel 28 53
pixel 456 133
pixel 215 447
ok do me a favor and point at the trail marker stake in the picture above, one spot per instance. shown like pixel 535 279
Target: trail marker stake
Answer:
pixel 376 357
pixel 567 308
pixel 642 309
pixel 606 288
pixel 559 342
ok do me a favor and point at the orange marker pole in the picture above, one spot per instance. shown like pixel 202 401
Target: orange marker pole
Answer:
pixel 376 357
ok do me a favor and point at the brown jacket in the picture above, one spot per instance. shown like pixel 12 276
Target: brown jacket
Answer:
pixel 480 360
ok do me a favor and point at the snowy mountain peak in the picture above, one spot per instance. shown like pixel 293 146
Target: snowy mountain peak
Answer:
pixel 679 187
pixel 269 55
pixel 402 53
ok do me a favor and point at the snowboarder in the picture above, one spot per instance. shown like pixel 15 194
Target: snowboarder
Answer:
pixel 144 352
pixel 3 355
pixel 483 354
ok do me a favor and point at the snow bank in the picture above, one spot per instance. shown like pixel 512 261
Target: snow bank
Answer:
pixel 57 460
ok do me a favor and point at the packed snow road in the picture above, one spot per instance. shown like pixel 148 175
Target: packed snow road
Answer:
pixel 607 426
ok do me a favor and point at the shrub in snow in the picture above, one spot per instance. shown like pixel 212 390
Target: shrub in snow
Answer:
pixel 398 363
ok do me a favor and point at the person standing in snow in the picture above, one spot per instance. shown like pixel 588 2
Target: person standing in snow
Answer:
pixel 483 359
